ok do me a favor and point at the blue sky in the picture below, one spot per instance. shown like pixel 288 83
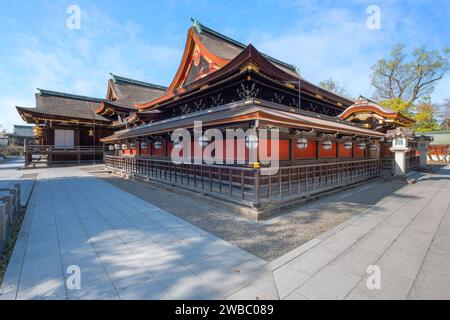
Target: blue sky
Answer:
pixel 145 39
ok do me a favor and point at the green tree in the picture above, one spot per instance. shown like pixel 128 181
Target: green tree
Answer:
pixel 409 78
pixel 397 104
pixel 426 116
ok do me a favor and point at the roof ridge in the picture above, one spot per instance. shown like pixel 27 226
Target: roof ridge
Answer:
pixel 68 95
pixel 201 28
pixel 117 78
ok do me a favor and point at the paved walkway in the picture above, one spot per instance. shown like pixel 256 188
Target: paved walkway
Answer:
pixel 407 236
pixel 128 249
pixel 125 248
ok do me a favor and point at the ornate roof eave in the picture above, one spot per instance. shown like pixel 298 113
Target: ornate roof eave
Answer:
pixel 108 108
pixel 249 110
pixel 31 116
pixel 371 107
pixel 192 41
pixel 401 131
pixel 248 60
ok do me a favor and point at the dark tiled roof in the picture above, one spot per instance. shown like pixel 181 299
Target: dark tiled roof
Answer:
pixel 129 91
pixel 228 48
pixel 66 105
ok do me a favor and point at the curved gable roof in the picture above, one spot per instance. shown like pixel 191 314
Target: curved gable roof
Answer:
pixel 129 91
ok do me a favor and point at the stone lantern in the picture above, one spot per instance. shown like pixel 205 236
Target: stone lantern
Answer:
pixel 400 148
pixel 423 143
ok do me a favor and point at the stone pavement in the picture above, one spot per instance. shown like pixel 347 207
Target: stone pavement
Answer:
pixel 125 248
pixel 128 249
pixel 407 236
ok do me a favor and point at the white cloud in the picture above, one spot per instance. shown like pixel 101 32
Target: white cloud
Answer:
pixel 334 42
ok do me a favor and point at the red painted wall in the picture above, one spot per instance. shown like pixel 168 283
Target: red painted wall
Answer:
pixel 344 153
pixel 358 153
pixel 159 152
pixel 265 152
pixel 331 153
pixel 146 151
pixel 308 153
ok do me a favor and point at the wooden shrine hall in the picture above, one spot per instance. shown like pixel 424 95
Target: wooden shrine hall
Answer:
pixel 325 141
pixel 226 84
pixel 69 128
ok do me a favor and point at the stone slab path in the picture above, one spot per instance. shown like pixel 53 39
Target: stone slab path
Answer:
pixel 406 236
pixel 125 248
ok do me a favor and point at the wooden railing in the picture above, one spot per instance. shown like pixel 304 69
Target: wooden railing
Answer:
pixel 52 149
pixel 35 154
pixel 252 187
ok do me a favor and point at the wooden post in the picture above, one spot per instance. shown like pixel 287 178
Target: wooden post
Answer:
pixel 337 149
pixel 317 149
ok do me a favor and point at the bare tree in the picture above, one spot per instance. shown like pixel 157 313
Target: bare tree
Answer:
pixel 409 78
pixel 334 87
pixel 444 114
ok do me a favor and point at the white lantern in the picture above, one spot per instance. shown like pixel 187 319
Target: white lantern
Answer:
pixel 111 147
pixel 158 144
pixel 124 146
pixel 117 146
pixel 251 142
pixel 327 145
pixel 203 141
pixel 144 145
pixel 348 145
pixel 132 146
pixel 302 143
pixel 361 146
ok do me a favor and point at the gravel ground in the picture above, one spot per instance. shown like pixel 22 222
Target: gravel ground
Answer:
pixel 268 239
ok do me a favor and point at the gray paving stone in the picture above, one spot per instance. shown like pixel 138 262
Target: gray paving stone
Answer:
pixel 438 261
pixel 355 261
pixel 250 292
pixel 295 296
pixel 148 290
pixel 53 289
pixel 329 283
pixel 43 247
pixel 336 243
pixel 393 287
pixel 402 262
pixel 187 285
pixel 101 289
pixel 441 240
pixel 312 261
pixel 389 231
pixel 355 232
pixel 431 285
pixel 288 279
pixel 373 243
